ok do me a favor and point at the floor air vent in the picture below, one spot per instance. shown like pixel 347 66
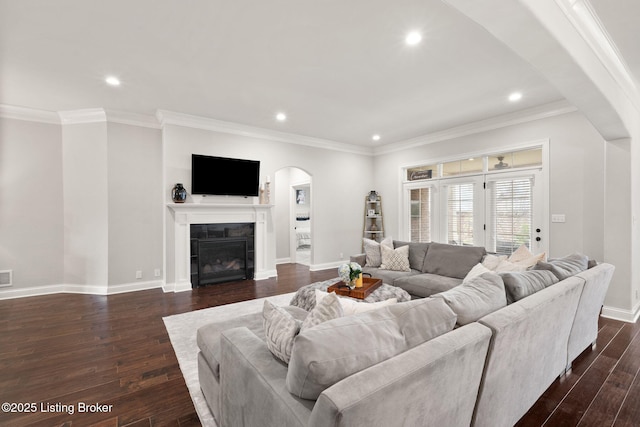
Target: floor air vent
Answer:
pixel 5 278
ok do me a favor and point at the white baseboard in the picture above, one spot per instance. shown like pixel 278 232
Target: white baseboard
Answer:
pixel 283 261
pixel 630 316
pixel 177 287
pixel 266 274
pixel 326 266
pixel 10 293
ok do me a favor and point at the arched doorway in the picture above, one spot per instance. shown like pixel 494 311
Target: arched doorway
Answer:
pixel 293 216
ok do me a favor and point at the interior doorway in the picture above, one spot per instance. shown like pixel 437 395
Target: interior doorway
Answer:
pixel 294 219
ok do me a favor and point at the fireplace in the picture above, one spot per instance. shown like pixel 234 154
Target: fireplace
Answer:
pixel 179 243
pixel 221 253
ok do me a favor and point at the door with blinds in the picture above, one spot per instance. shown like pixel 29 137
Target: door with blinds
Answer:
pixel 514 212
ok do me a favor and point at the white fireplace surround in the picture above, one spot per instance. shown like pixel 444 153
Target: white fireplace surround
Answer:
pixel 186 214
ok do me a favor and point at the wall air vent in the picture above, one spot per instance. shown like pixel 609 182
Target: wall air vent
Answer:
pixel 5 278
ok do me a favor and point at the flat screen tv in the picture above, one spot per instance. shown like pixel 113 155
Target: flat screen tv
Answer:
pixel 223 176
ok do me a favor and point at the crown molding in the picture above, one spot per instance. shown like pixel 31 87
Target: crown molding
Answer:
pixel 133 119
pixel 87 115
pixel 588 25
pixel 197 122
pixel 524 116
pixel 29 114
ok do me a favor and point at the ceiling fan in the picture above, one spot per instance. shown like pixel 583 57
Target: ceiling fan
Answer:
pixel 501 164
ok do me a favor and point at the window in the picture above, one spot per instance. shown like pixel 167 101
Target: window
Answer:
pixel 495 201
pixel 460 214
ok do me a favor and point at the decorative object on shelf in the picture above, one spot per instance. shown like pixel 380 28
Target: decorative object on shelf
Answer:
pixel 351 274
pixel 266 193
pixel 373 196
pixel 178 193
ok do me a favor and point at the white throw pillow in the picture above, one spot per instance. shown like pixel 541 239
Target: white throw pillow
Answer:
pixel 395 259
pixel 523 256
pixel 350 306
pixel 491 261
pixel 477 270
pixel 507 266
pixel 372 251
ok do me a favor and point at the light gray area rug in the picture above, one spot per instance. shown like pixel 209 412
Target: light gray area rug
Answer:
pixel 182 330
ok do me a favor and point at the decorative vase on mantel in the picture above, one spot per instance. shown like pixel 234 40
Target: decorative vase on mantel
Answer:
pixel 178 193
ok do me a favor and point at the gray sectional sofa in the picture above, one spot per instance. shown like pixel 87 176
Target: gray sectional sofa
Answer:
pixel 487 372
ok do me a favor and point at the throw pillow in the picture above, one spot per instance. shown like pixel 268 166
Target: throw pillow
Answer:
pixel 350 306
pixel 519 285
pixel 327 353
pixel 395 259
pixel 565 267
pixel 326 308
pixel 523 256
pixel 373 258
pixel 491 261
pixel 477 270
pixel 505 266
pixel 280 329
pixel 475 298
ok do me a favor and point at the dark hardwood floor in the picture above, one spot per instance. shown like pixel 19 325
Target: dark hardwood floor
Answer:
pixel 61 350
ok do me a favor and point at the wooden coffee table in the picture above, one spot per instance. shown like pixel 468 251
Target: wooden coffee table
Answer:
pixel 369 284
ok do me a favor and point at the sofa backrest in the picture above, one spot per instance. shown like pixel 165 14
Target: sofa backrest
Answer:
pixel 527 353
pixel 433 384
pixel 584 330
pixel 452 260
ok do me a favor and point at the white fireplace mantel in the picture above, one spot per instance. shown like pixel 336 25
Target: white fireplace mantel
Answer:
pixel 185 214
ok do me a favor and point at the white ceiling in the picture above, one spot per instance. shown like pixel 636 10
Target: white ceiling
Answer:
pixel 339 69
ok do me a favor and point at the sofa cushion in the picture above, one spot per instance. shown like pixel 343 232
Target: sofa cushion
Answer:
pixel 519 285
pixel 280 328
pixel 475 298
pixel 565 267
pixel 426 284
pixel 477 270
pixel 336 349
pixel 373 257
pixel 388 276
pixel 208 336
pixel 417 253
pixel 350 306
pixel 395 259
pixel 452 260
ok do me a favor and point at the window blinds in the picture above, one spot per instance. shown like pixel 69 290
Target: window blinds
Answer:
pixel 510 214
pixel 421 214
pixel 460 214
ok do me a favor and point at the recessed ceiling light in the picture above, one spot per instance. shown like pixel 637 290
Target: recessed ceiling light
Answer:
pixel 376 137
pixel 112 81
pixel 515 96
pixel 281 117
pixel 413 38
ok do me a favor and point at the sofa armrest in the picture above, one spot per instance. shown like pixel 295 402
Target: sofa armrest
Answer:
pixel 253 388
pixel 359 258
pixel 435 383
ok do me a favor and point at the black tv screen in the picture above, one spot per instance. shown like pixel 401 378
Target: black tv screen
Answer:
pixel 223 176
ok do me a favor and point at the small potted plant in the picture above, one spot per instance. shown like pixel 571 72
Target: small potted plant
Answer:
pixel 351 274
